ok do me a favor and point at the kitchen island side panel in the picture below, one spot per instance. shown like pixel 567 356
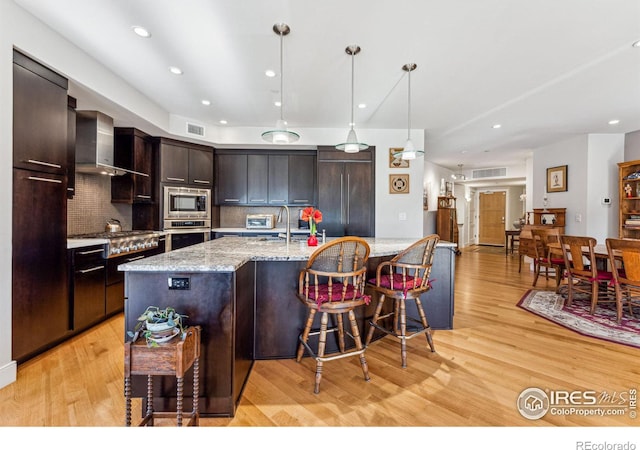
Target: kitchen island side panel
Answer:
pixel 280 316
pixel 222 304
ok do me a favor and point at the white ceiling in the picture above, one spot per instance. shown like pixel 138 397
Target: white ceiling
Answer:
pixel 545 70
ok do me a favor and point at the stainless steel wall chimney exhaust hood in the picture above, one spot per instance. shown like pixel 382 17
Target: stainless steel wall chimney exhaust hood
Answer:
pixel 94 145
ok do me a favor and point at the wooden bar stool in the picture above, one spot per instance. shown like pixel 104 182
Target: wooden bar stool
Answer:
pixel 405 277
pixel 332 284
pixel 170 358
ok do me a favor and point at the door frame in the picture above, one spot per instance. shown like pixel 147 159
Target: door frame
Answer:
pixel 476 198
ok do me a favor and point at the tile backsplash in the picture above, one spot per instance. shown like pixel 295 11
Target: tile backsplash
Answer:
pixel 234 216
pixel 91 207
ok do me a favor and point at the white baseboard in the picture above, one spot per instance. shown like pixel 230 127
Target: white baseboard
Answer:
pixel 8 374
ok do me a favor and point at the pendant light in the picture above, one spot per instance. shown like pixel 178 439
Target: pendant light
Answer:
pixel 351 145
pixel 409 151
pixel 459 176
pixel 280 135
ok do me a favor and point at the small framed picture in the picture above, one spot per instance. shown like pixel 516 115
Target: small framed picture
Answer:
pixel 399 184
pixel 557 179
pixel 396 162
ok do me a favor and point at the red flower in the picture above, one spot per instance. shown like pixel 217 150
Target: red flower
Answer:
pixel 310 213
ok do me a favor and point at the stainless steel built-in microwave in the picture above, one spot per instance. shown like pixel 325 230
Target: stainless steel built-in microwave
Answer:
pixel 182 204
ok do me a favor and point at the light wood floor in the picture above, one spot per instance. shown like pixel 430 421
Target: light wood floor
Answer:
pixel 495 351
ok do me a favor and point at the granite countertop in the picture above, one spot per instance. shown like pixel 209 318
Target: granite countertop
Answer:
pixel 227 254
pixel 86 242
pixel 260 230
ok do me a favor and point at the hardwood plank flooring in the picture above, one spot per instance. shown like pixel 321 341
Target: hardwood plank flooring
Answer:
pixel 495 351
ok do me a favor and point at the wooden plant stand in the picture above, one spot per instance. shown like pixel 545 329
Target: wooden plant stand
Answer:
pixel 171 358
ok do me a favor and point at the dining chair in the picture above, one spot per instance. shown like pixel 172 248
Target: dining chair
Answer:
pixel 333 284
pixel 544 257
pixel 404 277
pixel 624 259
pixel 581 269
pixel 526 247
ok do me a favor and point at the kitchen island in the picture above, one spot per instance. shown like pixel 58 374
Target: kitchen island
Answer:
pixel 242 292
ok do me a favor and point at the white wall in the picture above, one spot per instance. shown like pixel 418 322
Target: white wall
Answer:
pixel 591 174
pixel 7 366
pixel 604 152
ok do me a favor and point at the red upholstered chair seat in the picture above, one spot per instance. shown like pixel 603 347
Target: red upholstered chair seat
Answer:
pixel 396 283
pixel 324 294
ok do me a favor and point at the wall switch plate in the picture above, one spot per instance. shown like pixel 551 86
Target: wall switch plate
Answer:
pixel 179 283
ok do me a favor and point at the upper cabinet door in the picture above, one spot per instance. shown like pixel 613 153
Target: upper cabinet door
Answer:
pixel 174 167
pixel 201 167
pixel 257 179
pixel 278 179
pixel 39 117
pixel 231 179
pixel 302 179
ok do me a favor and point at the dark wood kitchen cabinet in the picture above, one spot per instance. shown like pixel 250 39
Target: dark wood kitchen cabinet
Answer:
pixel 40 306
pixel 39 117
pixel 302 179
pixel 346 192
pixel 185 163
pixel 71 147
pixel 87 287
pixel 231 178
pixel 133 150
pixel 40 300
pixel 271 178
pixel 257 178
pixel 267 179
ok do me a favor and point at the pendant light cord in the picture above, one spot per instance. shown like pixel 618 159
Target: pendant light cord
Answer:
pixel 281 77
pixel 352 94
pixel 409 107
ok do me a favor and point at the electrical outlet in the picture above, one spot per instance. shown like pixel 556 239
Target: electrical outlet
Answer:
pixel 578 217
pixel 182 283
pixel 402 216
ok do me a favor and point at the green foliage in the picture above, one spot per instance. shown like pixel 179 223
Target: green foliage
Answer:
pixel 155 315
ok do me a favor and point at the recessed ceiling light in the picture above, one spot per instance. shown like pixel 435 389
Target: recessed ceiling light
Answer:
pixel 636 44
pixel 614 122
pixel 362 105
pixel 206 102
pixel 497 125
pixel 277 103
pixel 223 122
pixel 175 70
pixel 270 73
pixel 141 31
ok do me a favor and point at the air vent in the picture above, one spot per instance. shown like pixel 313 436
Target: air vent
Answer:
pixel 197 130
pixel 490 173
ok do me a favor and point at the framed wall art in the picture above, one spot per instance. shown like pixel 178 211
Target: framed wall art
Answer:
pixel 399 183
pixel 396 162
pixel 557 179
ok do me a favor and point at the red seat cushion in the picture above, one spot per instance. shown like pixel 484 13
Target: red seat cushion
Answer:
pixel 336 293
pixel 385 281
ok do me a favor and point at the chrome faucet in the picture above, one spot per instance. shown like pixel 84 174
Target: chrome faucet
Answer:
pixel 288 235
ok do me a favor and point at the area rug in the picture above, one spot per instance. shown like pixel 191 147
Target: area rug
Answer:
pixel 601 325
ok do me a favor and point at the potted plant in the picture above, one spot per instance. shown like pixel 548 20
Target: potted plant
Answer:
pixel 158 325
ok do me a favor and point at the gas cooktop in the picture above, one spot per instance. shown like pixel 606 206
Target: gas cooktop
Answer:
pixel 113 234
pixel 124 242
